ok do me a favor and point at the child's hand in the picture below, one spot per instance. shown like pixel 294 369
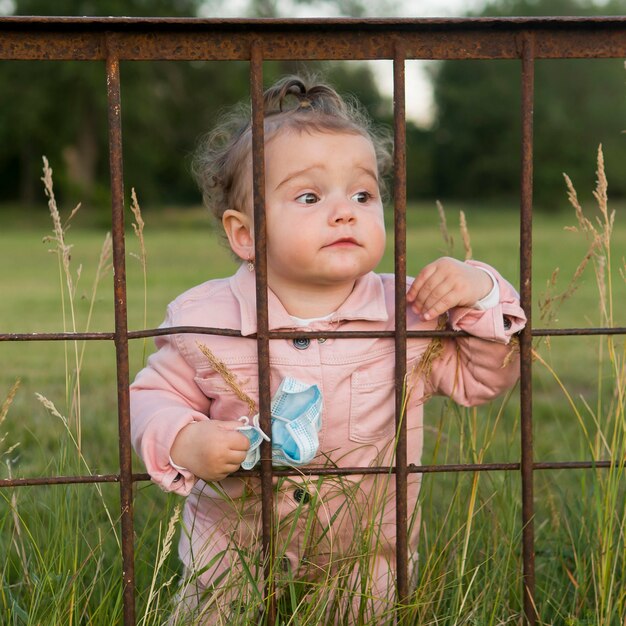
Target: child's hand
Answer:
pixel 446 283
pixel 210 449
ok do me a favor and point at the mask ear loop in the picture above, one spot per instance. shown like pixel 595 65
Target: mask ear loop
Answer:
pixel 256 425
pixel 280 419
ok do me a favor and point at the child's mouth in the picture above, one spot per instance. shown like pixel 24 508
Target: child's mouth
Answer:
pixel 343 242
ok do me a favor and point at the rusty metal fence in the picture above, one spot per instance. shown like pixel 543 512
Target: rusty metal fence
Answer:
pixel 114 40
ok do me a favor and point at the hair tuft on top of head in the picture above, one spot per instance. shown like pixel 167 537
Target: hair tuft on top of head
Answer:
pixel 292 94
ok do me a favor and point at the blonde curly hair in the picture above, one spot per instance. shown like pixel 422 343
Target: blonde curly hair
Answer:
pixel 223 158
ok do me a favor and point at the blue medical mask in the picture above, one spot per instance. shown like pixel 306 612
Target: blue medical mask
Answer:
pixel 296 419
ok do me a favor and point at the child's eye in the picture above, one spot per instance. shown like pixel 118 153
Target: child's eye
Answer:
pixel 362 197
pixel 307 198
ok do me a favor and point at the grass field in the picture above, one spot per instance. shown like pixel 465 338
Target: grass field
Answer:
pixel 61 562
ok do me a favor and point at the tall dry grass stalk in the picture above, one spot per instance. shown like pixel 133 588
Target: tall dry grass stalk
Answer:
pixel 72 421
pixel 39 562
pixel 467 243
pixel 4 411
pixel 443 229
pixel 448 238
pixel 155 593
pixel 142 257
pixel 52 409
pixel 68 289
pixel 18 532
pixel 598 236
pixel 68 293
pixel 601 566
pixel 326 588
pixel 228 377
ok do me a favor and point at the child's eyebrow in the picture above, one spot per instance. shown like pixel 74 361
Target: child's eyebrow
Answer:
pixel 291 176
pixel 298 173
pixel 369 171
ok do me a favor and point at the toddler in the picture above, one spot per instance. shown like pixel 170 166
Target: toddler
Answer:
pixel 193 405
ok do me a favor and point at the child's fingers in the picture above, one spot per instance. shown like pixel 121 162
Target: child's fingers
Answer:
pixel 438 303
pixel 235 457
pixel 233 438
pixel 228 461
pixel 239 442
pixel 420 282
pixel 233 425
pixel 225 472
pixel 435 293
pixel 430 291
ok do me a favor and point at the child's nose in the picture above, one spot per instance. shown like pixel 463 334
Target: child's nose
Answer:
pixel 343 213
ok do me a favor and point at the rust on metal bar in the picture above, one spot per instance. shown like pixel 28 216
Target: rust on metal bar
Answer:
pixel 287 334
pixel 445 468
pixel 260 262
pixel 579 332
pixel 343 471
pixel 399 163
pixel 56 336
pixel 59 480
pixel 526 183
pixel 121 330
pixel 55 38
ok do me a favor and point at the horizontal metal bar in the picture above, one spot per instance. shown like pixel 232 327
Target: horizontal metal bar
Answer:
pixel 157 24
pixel 294 334
pixel 330 471
pixel 446 468
pixel 56 336
pixel 569 332
pixel 60 480
pixel 58 38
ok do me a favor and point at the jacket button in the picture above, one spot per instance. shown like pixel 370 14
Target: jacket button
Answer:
pixel 301 495
pixel 507 323
pixel 302 343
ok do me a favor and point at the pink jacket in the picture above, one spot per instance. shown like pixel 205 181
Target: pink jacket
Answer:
pixel 356 376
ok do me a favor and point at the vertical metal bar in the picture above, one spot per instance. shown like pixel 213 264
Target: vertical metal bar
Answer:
pixel 399 158
pixel 121 330
pixel 260 256
pixel 528 533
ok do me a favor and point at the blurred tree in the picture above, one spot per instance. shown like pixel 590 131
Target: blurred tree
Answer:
pixel 165 107
pixel 329 8
pixel 62 107
pixel 578 104
pixel 130 8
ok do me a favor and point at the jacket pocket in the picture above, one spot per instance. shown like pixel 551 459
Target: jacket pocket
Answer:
pixel 226 403
pixel 372 404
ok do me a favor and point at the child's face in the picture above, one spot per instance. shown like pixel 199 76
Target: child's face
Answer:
pixel 324 212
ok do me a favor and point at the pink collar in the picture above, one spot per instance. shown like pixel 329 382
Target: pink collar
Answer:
pixel 366 302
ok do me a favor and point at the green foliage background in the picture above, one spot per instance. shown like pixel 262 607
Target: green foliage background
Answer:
pixel 471 150
pixel 578 104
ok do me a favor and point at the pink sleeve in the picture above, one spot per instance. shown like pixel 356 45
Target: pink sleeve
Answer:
pixel 473 370
pixel 164 398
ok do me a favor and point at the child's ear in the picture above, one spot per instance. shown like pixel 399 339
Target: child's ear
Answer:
pixel 238 229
